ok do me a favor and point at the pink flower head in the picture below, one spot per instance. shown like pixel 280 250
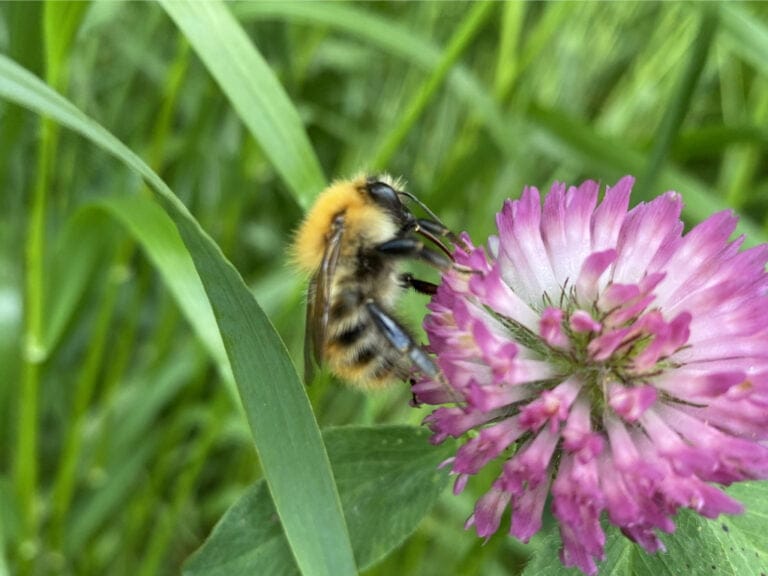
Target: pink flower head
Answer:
pixel 606 359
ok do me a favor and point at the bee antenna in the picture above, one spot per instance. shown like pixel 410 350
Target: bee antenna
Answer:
pixel 422 206
pixel 448 234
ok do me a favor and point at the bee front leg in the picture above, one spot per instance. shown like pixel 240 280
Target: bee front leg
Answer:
pixel 433 230
pixel 413 248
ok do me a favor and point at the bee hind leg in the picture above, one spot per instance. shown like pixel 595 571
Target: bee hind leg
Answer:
pixel 401 340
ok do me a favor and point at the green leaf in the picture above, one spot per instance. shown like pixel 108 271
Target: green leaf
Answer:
pixel 284 429
pixel 387 478
pixel 248 82
pixel 728 545
pixel 745 534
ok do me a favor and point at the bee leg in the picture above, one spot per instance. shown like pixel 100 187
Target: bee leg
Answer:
pixel 401 340
pixel 432 231
pixel 421 286
pixel 413 248
pixel 436 229
pixel 434 225
pixel 414 400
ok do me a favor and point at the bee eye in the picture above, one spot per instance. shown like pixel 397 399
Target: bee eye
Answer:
pixel 384 195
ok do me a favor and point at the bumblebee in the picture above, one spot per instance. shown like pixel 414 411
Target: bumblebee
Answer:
pixel 352 244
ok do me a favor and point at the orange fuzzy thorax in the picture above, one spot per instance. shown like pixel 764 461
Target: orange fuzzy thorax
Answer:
pixel 363 218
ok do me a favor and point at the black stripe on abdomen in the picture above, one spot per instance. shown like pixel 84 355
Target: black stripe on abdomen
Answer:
pixel 351 335
pixel 364 356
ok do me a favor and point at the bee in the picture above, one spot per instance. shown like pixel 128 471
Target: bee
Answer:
pixel 352 244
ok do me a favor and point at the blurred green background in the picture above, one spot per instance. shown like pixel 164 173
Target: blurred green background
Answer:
pixel 140 445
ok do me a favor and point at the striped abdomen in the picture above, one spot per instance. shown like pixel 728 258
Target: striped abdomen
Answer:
pixel 355 348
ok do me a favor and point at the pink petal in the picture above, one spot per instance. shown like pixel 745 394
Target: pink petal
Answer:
pixel 551 328
pixel 523 257
pixel 592 269
pixel 582 321
pixel 631 402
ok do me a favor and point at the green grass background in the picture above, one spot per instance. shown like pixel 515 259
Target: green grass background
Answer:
pixel 121 437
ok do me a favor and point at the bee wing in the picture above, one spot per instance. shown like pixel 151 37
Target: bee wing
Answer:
pixel 319 300
pixel 310 334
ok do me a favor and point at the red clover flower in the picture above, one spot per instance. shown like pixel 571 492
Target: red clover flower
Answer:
pixel 606 358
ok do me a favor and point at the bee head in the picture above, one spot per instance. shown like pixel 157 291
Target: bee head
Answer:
pixel 385 195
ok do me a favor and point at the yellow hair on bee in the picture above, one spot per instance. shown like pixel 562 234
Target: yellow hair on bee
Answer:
pixel 360 377
pixel 343 196
pixel 352 243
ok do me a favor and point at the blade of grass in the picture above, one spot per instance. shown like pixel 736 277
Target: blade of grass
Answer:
pixel 60 23
pixel 285 432
pixel 469 27
pixel 397 41
pixel 711 141
pixel 248 82
pixel 745 160
pixel 681 101
pixel 26 47
pixel 85 384
pixel 61 20
pixel 164 530
pixel 9 528
pixel 745 34
pixel 567 140
pixel 26 456
pixel 124 425
pixel 105 501
pixel 508 59
pixel 84 239
pixel 154 230
pixel 71 276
